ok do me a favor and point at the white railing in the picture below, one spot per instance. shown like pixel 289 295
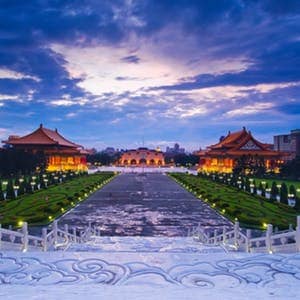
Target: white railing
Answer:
pixel 287 241
pixel 54 239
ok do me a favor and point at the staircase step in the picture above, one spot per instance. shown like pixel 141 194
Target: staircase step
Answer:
pixel 145 244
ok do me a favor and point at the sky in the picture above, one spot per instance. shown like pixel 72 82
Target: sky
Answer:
pixel 120 72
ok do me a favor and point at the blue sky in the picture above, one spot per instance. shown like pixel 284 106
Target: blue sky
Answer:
pixel 110 73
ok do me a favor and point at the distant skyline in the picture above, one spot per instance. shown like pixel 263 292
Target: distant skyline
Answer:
pixel 112 73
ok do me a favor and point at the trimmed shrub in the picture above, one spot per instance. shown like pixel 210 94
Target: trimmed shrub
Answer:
pixel 283 193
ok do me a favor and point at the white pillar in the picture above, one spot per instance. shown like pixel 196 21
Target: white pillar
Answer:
pixel 268 238
pixel 55 236
pixel 89 231
pixel 224 234
pixel 25 237
pixel 74 234
pixel 297 238
pixel 215 236
pixel 248 234
pixel 44 237
pixel 81 236
pixel 66 227
pixel 66 232
pixel 0 235
pixel 236 233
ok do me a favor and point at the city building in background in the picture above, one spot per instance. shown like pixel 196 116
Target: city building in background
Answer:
pixel 61 154
pixel 142 157
pixel 175 150
pixel 289 143
pixel 223 156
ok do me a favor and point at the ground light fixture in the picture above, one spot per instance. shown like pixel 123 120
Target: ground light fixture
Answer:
pixel 4 184
pixel 16 188
pixel 32 183
pixel 46 182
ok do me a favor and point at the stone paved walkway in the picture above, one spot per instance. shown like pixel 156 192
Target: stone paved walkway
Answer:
pixel 145 205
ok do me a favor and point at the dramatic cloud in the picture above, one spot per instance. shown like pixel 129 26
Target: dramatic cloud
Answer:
pixel 167 70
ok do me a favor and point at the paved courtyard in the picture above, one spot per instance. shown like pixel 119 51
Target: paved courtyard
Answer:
pixel 143 204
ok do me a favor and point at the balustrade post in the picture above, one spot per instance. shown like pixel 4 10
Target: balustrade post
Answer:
pixel 236 233
pixel 89 231
pixel 74 234
pixel 268 238
pixel 224 234
pixel 55 236
pixel 297 238
pixel 81 236
pixel 25 236
pixel 66 232
pixel 0 235
pixel 248 243
pixel 44 237
pixel 215 236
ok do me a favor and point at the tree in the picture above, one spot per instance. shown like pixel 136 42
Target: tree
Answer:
pixel 283 193
pixel 292 190
pixel 182 159
pixel 291 169
pixel 1 192
pixel 14 162
pixel 247 185
pixel 263 190
pixel 10 190
pixel 250 165
pixel 274 191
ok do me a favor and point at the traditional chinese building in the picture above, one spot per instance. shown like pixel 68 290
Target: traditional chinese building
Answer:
pixel 142 157
pixel 61 154
pixel 222 156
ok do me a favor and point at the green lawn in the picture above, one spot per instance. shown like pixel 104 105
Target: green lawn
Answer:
pixel 45 205
pixel 278 181
pixel 251 211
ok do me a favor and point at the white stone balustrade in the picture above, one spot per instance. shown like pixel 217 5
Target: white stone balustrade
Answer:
pixel 272 242
pixel 54 239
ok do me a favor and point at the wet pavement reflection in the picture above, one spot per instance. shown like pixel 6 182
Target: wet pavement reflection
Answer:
pixel 143 204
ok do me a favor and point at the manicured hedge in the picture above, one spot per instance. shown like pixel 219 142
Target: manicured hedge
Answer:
pixel 251 210
pixel 43 206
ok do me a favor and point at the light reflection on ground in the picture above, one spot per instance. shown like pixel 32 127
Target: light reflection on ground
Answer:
pixel 145 205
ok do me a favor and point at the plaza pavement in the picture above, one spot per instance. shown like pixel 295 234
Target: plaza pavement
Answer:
pixel 145 205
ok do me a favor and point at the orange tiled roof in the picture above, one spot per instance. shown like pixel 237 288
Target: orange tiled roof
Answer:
pixel 42 136
pixel 236 140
